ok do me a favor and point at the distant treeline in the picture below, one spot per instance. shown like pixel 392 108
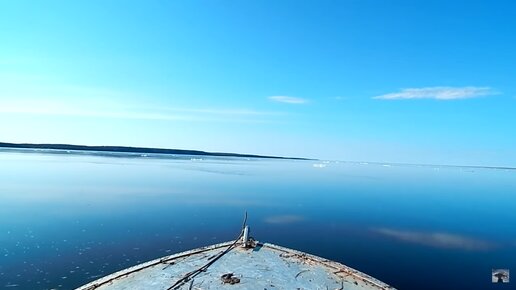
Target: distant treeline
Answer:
pixel 125 149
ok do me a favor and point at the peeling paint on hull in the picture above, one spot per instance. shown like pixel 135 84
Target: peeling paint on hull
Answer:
pixel 266 266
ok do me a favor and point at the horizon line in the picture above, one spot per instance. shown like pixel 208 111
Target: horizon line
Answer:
pixel 227 154
pixel 135 149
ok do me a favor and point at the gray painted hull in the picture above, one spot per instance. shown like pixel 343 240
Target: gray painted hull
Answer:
pixel 266 266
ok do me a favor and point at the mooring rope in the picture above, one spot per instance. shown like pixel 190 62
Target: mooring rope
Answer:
pixel 192 274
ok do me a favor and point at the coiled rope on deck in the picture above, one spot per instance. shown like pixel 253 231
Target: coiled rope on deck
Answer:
pixel 192 274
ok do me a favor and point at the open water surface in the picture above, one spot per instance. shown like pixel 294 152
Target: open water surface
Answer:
pixel 67 218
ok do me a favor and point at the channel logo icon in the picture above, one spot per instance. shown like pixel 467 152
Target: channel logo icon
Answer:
pixel 500 275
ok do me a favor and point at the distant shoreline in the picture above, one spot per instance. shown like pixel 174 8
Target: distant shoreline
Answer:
pixel 144 150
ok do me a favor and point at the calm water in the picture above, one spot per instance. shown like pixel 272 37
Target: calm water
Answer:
pixel 66 219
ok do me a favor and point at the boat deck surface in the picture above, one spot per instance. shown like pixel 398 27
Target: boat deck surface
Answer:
pixel 265 266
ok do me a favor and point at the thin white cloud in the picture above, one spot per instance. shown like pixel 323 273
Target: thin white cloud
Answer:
pixel 222 111
pixel 99 110
pixel 288 100
pixel 58 109
pixel 30 94
pixel 438 93
pixel 436 239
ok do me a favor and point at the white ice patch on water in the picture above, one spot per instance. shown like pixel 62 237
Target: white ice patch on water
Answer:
pixel 319 165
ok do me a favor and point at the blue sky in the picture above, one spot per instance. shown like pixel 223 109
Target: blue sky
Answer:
pixel 393 81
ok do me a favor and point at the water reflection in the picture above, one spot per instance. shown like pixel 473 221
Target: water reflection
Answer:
pixel 67 219
pixel 284 219
pixel 437 239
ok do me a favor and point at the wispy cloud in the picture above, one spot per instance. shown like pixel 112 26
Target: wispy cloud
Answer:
pixel 124 111
pixel 42 96
pixel 30 94
pixel 222 111
pixel 73 111
pixel 288 100
pixel 438 93
pixel 436 239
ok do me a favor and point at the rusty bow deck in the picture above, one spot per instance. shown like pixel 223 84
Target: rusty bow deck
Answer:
pixel 264 266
